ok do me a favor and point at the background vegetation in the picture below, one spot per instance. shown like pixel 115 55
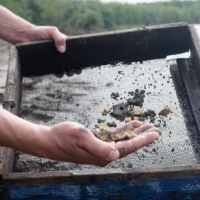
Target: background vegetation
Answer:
pixel 78 17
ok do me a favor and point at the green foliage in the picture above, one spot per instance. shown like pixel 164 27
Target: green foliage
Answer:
pixel 77 17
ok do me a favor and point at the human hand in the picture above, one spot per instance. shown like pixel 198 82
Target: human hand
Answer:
pixel 146 134
pixel 15 29
pixel 71 142
pixel 36 33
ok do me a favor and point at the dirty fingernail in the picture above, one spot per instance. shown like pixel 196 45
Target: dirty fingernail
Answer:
pixel 62 48
pixel 113 155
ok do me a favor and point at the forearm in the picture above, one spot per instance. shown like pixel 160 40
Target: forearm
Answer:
pixel 13 28
pixel 22 135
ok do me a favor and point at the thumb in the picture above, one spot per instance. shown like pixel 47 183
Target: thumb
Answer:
pixel 113 155
pixel 104 150
pixel 59 38
pixel 61 44
pixel 99 148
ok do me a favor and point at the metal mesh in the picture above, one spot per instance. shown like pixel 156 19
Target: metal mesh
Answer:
pixel 48 100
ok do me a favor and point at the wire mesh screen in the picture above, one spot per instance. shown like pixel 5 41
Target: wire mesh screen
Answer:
pixel 48 100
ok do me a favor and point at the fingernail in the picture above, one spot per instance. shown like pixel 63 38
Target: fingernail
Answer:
pixel 62 49
pixel 154 130
pixel 113 155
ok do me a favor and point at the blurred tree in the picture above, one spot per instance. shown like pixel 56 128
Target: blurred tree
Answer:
pixel 78 17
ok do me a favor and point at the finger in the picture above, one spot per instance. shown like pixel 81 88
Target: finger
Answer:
pixel 70 73
pixel 75 151
pixel 129 146
pixel 98 148
pixel 80 156
pixel 143 128
pixel 86 158
pixel 59 38
pixel 154 129
pixel 59 75
pixel 78 71
pixel 133 123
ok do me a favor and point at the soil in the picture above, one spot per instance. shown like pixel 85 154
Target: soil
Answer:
pixel 137 111
pixel 106 111
pixel 125 134
pixel 112 124
pixel 83 98
pixel 164 112
pixel 103 127
pixel 121 111
pixel 130 110
pixel 132 107
pixel 127 119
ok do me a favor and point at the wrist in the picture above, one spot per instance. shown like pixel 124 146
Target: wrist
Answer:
pixel 39 142
pixel 13 28
pixel 14 36
pixel 22 135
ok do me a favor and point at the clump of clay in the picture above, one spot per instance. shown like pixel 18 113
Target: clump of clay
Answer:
pixel 127 119
pixel 115 95
pixel 106 111
pixel 132 108
pixel 104 136
pixel 126 133
pixel 136 118
pixel 164 112
pixel 151 114
pixel 120 111
pixel 138 98
pixel 123 110
pixel 103 127
pixel 111 124
pixel 137 110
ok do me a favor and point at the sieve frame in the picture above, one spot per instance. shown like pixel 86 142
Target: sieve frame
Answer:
pixel 131 179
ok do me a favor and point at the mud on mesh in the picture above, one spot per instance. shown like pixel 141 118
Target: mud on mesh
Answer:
pixel 48 100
